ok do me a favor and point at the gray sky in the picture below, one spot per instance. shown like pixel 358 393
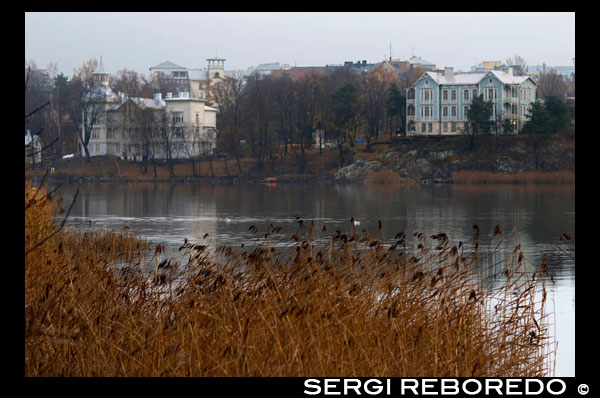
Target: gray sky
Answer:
pixel 140 40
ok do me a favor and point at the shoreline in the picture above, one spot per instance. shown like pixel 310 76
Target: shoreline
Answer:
pixel 474 178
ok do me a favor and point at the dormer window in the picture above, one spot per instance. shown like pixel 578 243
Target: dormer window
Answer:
pixel 490 80
pixel 426 82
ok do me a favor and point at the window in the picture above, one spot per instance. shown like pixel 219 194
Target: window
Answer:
pixel 427 82
pixel 454 127
pixel 217 76
pixel 445 127
pixel 444 111
pixel 465 111
pixel 109 133
pixel 177 117
pixel 426 94
pixel 490 93
pixel 430 127
pixel 445 95
pixel 466 95
pixel 197 118
pixel 425 111
pixel 423 128
pixel 453 110
pixel 474 92
pixel 453 95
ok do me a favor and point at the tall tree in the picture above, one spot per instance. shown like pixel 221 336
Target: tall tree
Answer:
pixel 395 106
pixel 479 114
pixel 551 84
pixel 375 86
pixel 88 103
pixel 538 130
pixel 346 116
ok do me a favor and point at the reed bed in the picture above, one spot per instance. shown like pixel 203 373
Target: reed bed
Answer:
pixel 332 304
pixel 529 177
pixel 387 177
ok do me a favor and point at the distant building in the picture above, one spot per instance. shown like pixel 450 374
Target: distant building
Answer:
pixel 567 72
pixel 191 124
pixel 300 72
pixel 266 69
pixel 416 62
pixel 438 103
pixel 197 82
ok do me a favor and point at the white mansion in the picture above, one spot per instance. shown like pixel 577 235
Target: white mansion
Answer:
pixel 133 128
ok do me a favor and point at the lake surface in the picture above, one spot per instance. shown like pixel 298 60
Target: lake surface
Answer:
pixel 533 216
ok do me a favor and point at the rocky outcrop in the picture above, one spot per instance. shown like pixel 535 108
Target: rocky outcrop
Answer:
pixel 358 169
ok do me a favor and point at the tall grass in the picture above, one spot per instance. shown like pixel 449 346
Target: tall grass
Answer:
pixel 334 305
pixel 529 177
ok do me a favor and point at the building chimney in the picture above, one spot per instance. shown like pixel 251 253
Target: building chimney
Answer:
pixel 169 95
pixel 184 94
pixel 448 71
pixel 158 97
pixel 510 70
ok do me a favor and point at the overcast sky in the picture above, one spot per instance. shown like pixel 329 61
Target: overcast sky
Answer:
pixel 140 40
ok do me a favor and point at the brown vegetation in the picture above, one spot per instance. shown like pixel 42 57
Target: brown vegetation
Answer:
pixel 530 177
pixel 334 304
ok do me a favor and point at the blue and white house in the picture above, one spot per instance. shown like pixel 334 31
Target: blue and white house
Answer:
pixel 437 104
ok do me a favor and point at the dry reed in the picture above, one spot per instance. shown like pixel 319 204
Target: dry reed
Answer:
pixel 333 305
pixel 530 177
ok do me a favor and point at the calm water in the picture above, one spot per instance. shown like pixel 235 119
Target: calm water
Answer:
pixel 534 217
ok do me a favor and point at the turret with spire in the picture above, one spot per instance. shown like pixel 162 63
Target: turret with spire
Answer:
pixel 100 74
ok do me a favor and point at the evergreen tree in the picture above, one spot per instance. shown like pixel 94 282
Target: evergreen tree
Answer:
pixel 479 114
pixel 540 121
pixel 396 104
pixel 558 113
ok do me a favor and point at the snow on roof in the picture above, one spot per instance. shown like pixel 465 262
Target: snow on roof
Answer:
pixel 209 108
pixel 417 60
pixel 100 69
pixel 101 92
pixel 148 102
pixel 167 65
pixel 475 78
pixel 197 74
pixel 141 102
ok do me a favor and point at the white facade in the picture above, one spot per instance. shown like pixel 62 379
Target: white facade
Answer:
pixel 138 128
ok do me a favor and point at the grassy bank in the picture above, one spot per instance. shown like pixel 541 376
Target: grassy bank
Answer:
pixel 334 305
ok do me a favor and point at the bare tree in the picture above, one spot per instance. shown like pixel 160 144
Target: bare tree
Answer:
pixel 132 84
pixel 551 84
pixel 519 65
pixel 375 86
pixel 259 113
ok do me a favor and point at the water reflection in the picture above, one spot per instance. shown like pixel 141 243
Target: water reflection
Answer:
pixel 533 216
